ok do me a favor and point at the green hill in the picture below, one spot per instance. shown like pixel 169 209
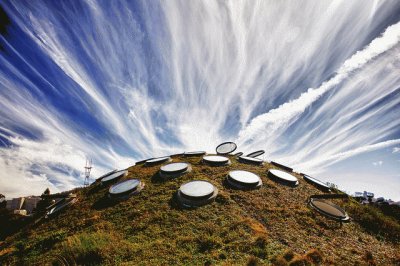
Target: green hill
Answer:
pixel 270 225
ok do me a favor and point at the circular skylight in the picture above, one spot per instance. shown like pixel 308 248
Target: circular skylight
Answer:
pixel 250 160
pixel 284 167
pixel 244 177
pixel 283 176
pixel 158 160
pixel 196 193
pixel 124 187
pixel 194 153
pixel 216 160
pixel 316 182
pixel 107 174
pixel 197 189
pixel 174 168
pixel 62 204
pixel 256 153
pixel 329 209
pixel 226 147
pixel 143 161
pixel 114 176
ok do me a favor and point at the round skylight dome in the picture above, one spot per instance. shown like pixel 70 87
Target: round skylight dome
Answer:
pixel 283 177
pixel 61 205
pixel 316 182
pixel 196 193
pixel 174 168
pixel 126 187
pixel 216 160
pixel 329 209
pixel 159 160
pixel 256 154
pixel 107 174
pixel 194 153
pixel 114 176
pixel 250 160
pixel 243 179
pixel 226 147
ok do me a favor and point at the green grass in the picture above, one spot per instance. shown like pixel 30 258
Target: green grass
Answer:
pixel 270 225
pixel 92 248
pixel 376 222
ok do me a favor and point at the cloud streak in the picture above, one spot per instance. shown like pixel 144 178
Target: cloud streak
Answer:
pixel 119 83
pixel 332 159
pixel 282 116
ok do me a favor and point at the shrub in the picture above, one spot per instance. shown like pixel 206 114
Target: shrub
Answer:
pixel 283 259
pixel 11 223
pixel 259 247
pixel 369 258
pixel 253 261
pixel 299 261
pixel 314 256
pixel 208 243
pixel 375 222
pixel 288 255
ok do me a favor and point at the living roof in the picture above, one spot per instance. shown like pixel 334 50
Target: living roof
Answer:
pixel 269 224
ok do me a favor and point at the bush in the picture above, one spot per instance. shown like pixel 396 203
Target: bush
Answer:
pixel 314 256
pixel 369 258
pixel 259 247
pixel 375 222
pixel 300 261
pixel 208 243
pixel 11 223
pixel 253 261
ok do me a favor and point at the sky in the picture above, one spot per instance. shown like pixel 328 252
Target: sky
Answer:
pixel 316 84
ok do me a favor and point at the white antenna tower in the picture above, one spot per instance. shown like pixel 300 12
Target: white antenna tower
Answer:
pixel 88 167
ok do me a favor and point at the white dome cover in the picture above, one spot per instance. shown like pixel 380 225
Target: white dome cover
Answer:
pixel 283 175
pixel 197 188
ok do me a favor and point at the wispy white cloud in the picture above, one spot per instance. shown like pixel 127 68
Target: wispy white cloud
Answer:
pixel 378 163
pixel 268 124
pixel 188 75
pixel 396 150
pixel 319 163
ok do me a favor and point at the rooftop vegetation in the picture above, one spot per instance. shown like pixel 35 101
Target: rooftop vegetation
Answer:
pixel 270 225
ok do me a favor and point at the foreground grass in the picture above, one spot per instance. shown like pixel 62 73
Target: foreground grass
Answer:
pixel 269 225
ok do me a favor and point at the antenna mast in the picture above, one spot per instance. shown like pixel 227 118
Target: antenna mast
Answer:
pixel 88 167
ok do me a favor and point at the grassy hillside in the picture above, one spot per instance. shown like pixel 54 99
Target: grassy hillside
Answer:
pixel 271 225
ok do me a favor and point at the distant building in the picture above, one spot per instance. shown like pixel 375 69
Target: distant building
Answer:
pixel 380 199
pixel 15 204
pixel 23 203
pixel 364 195
pixel 368 195
pixel 30 203
pixel 368 198
pixel 359 195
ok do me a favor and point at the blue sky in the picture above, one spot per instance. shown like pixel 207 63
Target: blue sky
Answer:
pixel 315 84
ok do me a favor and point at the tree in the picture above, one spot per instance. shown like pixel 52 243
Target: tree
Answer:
pixel 44 202
pixel 3 201
pixel 46 192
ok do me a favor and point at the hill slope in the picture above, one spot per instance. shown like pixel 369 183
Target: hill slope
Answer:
pixel 270 225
